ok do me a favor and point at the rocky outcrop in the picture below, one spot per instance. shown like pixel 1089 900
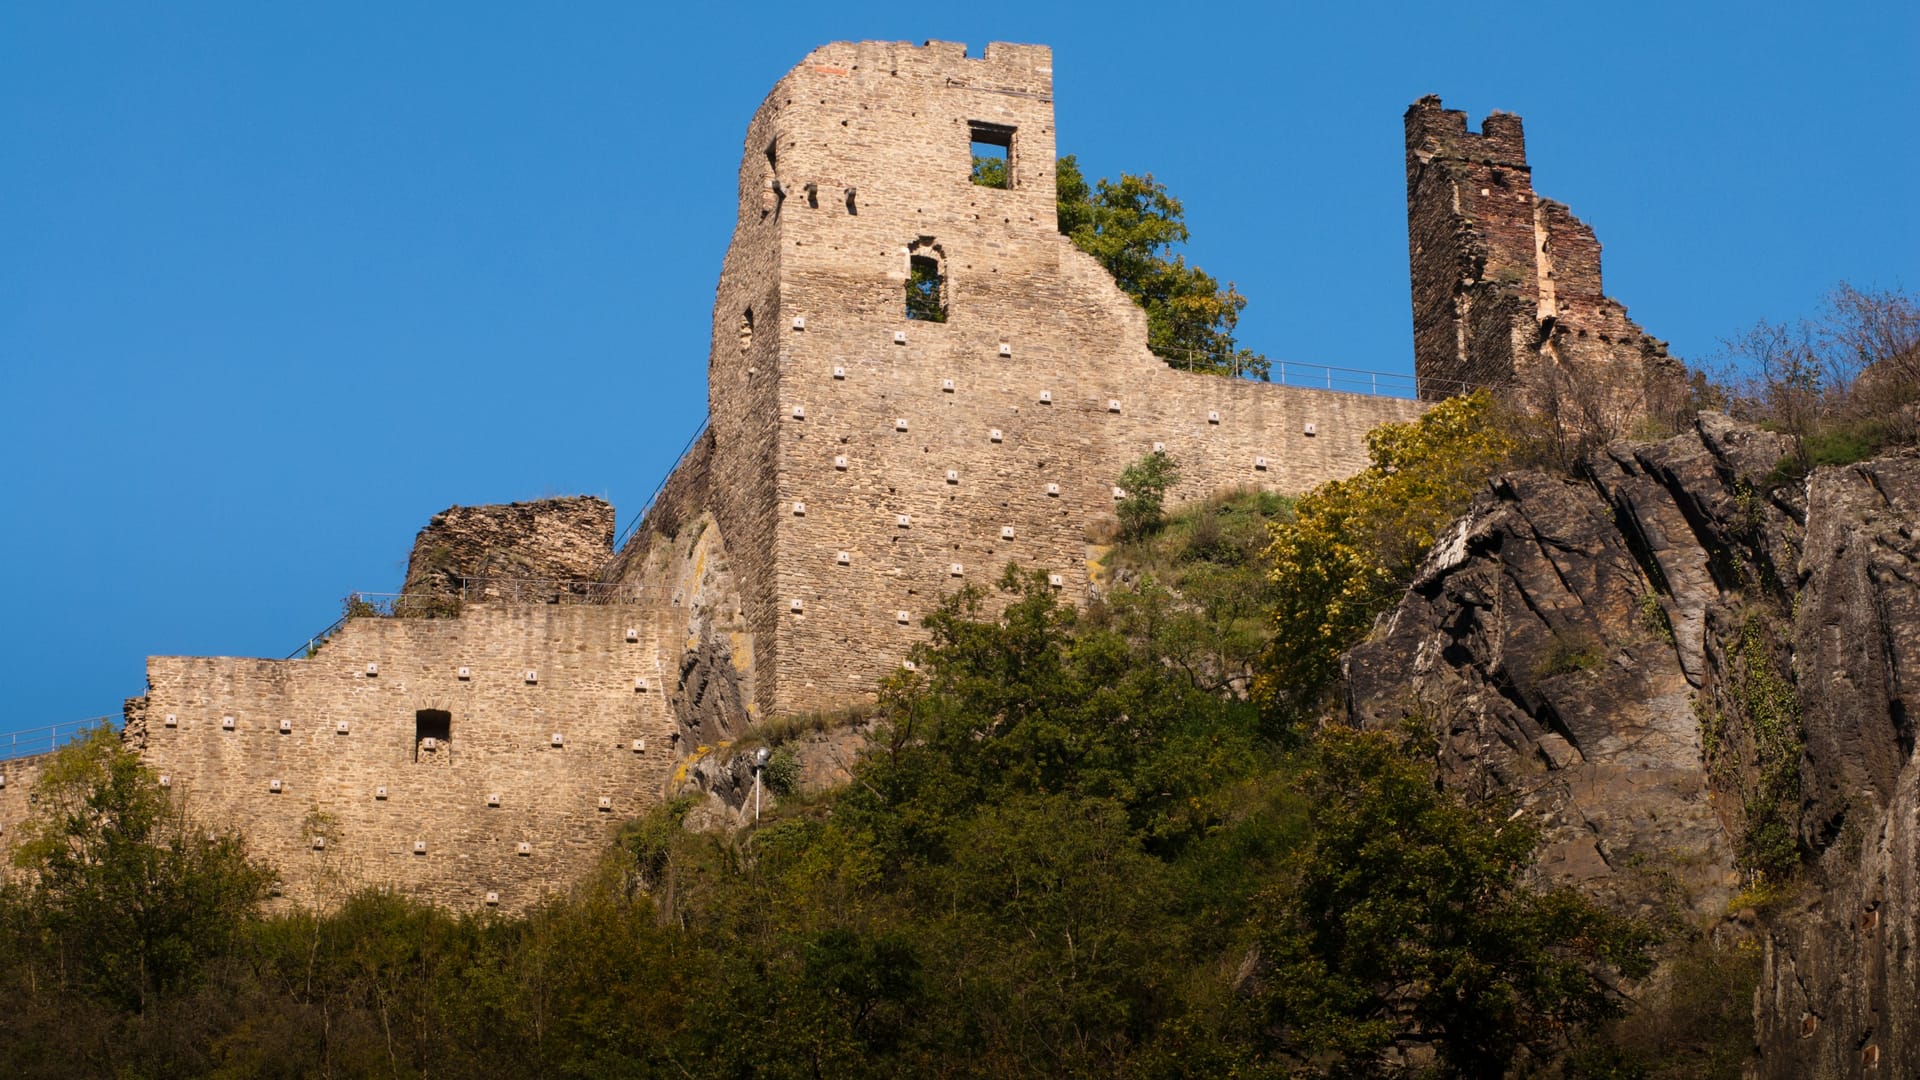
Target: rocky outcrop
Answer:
pixel 1840 990
pixel 1662 660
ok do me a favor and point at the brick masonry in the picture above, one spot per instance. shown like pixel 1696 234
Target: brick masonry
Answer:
pixel 1506 284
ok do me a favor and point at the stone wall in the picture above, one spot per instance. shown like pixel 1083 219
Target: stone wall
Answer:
pixel 17 778
pixel 357 784
pixel 565 539
pixel 1506 285
pixel 876 462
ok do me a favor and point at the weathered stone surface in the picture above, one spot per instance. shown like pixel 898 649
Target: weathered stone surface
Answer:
pixel 1535 644
pixel 505 679
pixel 1525 643
pixel 1848 956
pixel 567 539
pixel 859 159
pixel 1506 285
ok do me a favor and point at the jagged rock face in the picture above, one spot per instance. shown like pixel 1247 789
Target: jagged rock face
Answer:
pixel 1564 641
pixel 1840 990
pixel 1528 645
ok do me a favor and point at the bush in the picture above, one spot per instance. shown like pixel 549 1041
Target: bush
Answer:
pixel 1145 483
pixel 1353 545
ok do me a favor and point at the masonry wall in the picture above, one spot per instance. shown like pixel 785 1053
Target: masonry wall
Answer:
pixel 556 539
pixel 1507 287
pixel 19 774
pixel 598 690
pixel 871 155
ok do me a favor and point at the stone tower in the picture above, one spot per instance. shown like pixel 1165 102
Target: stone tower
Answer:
pixel 1506 285
pixel 875 457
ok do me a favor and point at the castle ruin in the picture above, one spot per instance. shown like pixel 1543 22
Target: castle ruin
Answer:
pixel 1506 285
pixel 914 381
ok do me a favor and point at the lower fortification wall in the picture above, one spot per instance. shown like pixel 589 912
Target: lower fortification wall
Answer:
pixel 17 778
pixel 548 725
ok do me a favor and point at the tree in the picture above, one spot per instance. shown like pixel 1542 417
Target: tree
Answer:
pixel 926 290
pixel 1843 384
pixel 990 170
pixel 1353 545
pixel 1404 923
pixel 1132 226
pixel 1145 483
pixel 132 895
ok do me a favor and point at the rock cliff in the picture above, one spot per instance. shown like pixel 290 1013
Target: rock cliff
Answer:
pixel 1687 675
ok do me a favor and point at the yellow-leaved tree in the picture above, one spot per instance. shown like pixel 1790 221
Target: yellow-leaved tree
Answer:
pixel 1353 545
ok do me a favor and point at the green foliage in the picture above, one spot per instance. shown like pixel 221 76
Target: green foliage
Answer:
pixel 1752 748
pixel 1145 482
pixel 1068 851
pixel 781 773
pixel 990 170
pixel 129 896
pixel 1132 226
pixel 1196 592
pixel 1771 706
pixel 356 607
pixel 1695 1024
pixel 926 290
pixel 1353 545
pixel 1842 384
pixel 1404 917
pixel 1653 617
pixel 1567 654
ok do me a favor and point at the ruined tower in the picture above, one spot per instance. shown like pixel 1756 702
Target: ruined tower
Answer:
pixel 915 379
pixel 1506 285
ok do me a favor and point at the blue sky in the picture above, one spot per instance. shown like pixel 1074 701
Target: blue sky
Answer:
pixel 278 282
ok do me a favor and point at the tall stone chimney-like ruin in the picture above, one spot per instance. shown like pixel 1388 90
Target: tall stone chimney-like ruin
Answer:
pixel 1506 285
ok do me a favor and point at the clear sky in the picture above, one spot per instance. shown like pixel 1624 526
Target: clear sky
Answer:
pixel 279 281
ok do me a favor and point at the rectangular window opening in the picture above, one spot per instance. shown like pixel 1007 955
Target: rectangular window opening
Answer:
pixel 993 161
pixel 435 724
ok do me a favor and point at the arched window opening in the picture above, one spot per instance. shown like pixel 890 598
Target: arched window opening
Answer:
pixel 746 330
pixel 926 283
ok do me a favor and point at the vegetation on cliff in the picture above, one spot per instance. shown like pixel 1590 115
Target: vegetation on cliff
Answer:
pixel 1844 383
pixel 1072 849
pixel 1104 842
pixel 1352 546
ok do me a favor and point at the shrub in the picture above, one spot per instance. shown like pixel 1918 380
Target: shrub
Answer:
pixel 1145 482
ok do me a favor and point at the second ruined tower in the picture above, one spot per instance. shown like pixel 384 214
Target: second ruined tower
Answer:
pixel 1506 285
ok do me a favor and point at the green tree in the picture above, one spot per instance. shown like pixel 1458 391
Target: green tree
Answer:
pixel 133 896
pixel 1145 482
pixel 990 170
pixel 1353 545
pixel 926 290
pixel 1132 226
pixel 1404 922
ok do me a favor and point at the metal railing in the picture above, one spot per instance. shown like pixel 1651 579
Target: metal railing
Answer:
pixel 502 590
pixel 483 590
pixel 1345 380
pixel 46 740
pixel 626 534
